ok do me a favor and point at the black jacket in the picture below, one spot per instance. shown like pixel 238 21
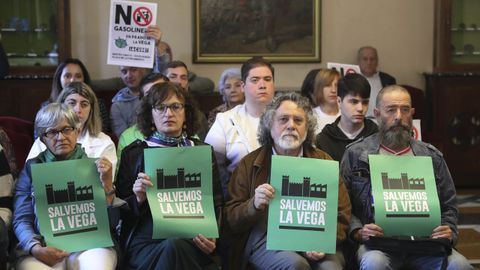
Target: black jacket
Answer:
pixel 386 79
pixel 333 141
pixel 131 163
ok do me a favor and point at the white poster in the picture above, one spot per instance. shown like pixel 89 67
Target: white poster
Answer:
pixel 344 69
pixel 128 44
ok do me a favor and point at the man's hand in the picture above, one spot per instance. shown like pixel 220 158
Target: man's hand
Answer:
pixel 207 245
pixel 153 31
pixel 368 230
pixel 263 196
pixel 442 231
pixel 49 255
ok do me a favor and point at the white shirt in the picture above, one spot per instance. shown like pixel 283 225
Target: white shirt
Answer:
pixel 233 135
pixel 375 87
pixel 323 119
pixel 94 147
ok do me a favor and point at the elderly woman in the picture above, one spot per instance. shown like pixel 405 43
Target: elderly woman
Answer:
pixel 84 103
pixel 166 118
pixel 230 87
pixel 324 97
pixel 58 128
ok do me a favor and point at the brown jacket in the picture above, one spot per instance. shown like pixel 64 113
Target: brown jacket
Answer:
pixel 241 216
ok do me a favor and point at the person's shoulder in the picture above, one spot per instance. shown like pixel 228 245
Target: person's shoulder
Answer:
pixel 362 142
pixel 315 152
pixel 224 118
pixel 389 79
pixel 137 145
pixel 104 138
pixel 370 126
pixel 429 148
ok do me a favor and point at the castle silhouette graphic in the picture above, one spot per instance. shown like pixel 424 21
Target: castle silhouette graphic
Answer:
pixel 71 194
pixel 180 180
pixel 403 182
pixel 304 189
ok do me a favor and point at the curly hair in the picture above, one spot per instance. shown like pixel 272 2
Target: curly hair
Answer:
pixel 160 92
pixel 266 121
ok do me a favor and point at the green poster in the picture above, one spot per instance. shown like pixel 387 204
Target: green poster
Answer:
pixel 303 213
pixel 181 199
pixel 70 205
pixel 405 195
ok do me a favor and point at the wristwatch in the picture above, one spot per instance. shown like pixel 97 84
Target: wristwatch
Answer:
pixel 111 192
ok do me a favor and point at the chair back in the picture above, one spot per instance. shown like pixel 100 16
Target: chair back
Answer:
pixel 20 133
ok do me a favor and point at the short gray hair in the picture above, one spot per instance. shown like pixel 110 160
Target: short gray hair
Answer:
pixel 226 74
pixel 52 114
pixel 266 121
pixel 388 89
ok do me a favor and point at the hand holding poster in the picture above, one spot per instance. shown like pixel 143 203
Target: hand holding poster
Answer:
pixel 405 195
pixel 181 199
pixel 128 44
pixel 303 214
pixel 70 205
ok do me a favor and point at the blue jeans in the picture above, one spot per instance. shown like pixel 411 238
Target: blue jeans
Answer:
pixel 290 260
pixel 376 259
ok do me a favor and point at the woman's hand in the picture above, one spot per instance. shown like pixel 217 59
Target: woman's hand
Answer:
pixel 104 168
pixel 140 187
pixel 49 255
pixel 207 245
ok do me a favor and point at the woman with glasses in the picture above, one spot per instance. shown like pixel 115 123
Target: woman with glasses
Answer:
pixel 166 118
pixel 58 127
pixel 81 98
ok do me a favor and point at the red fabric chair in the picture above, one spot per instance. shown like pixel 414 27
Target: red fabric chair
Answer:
pixel 20 133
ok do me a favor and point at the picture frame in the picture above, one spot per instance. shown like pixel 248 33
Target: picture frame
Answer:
pixel 231 31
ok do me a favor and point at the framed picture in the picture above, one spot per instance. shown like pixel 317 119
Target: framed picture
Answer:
pixel 235 30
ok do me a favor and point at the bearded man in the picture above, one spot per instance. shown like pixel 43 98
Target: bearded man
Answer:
pixel 394 117
pixel 286 128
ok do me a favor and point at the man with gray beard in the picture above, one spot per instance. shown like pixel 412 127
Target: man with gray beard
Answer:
pixel 394 117
pixel 286 128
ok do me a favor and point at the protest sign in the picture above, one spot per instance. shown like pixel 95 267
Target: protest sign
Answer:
pixel 303 214
pixel 128 44
pixel 70 205
pixel 181 199
pixel 405 195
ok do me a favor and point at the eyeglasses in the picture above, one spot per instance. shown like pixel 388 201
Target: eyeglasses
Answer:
pixel 52 134
pixel 175 107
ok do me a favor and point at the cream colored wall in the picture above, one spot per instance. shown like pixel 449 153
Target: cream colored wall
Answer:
pixel 402 31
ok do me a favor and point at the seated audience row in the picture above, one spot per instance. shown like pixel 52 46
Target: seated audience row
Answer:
pixel 243 141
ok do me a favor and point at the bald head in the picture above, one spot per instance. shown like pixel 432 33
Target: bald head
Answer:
pixel 389 89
